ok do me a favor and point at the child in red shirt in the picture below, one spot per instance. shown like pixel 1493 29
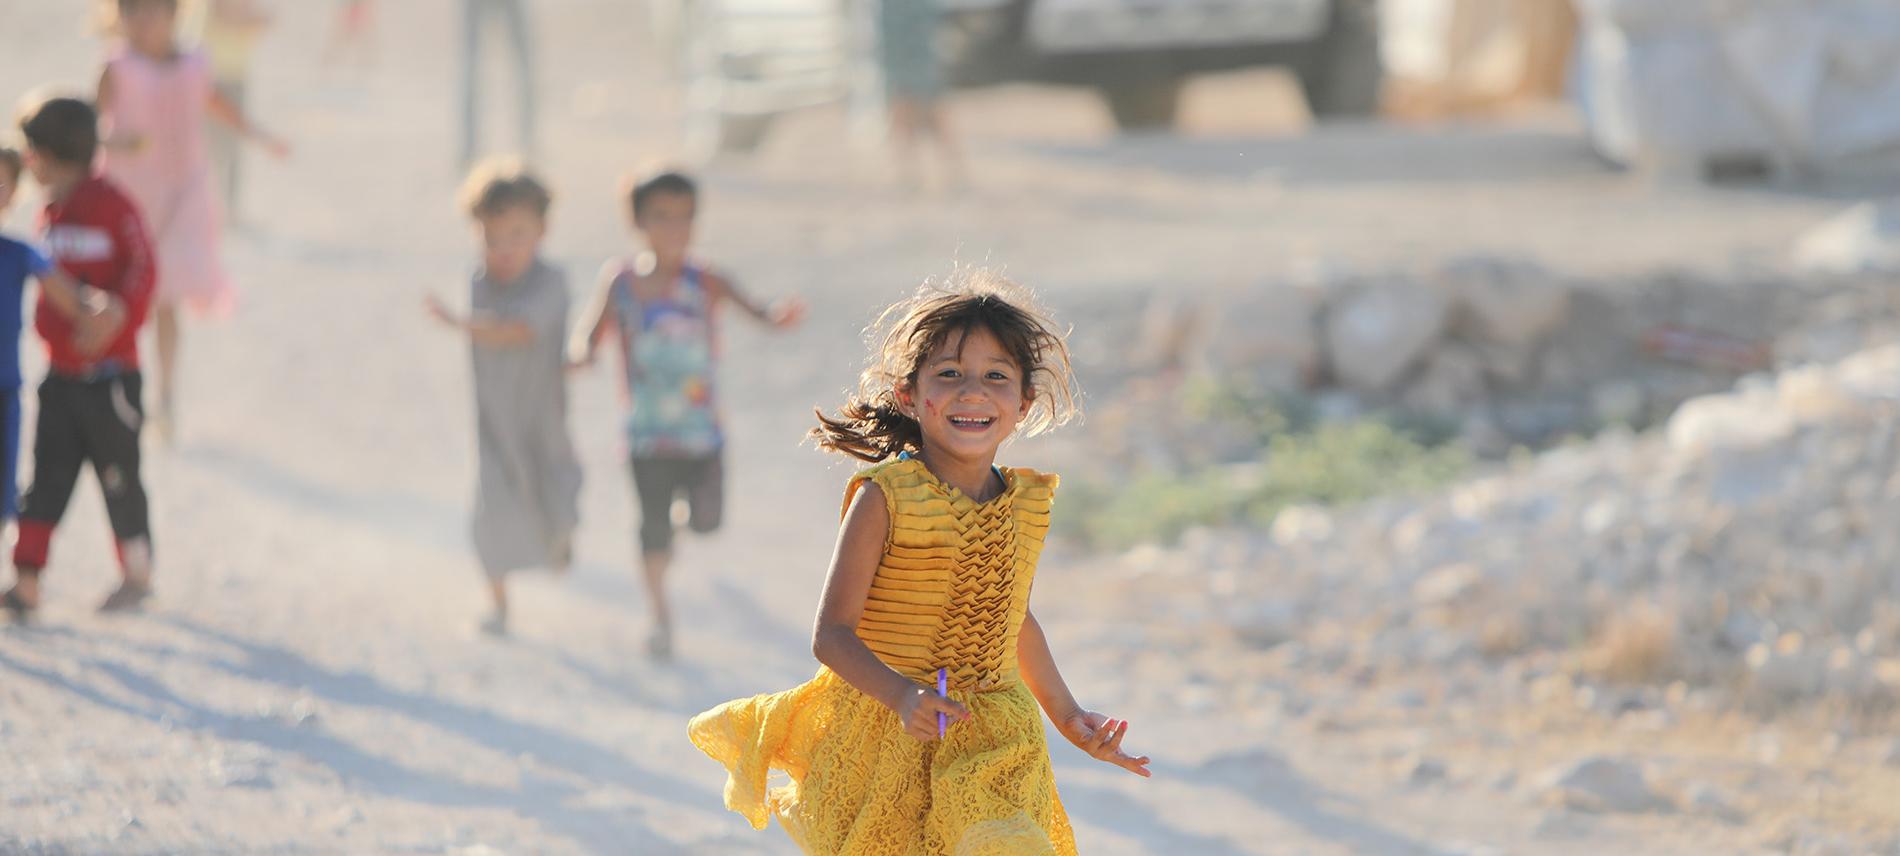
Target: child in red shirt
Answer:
pixel 90 403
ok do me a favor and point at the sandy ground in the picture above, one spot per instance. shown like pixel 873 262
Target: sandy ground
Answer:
pixel 310 681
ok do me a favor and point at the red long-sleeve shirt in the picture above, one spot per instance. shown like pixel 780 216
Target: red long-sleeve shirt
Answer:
pixel 97 236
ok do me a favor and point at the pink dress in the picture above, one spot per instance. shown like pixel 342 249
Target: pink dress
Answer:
pixel 164 102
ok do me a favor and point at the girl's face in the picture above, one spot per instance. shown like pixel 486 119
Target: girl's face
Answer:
pixel 510 239
pixel 149 24
pixel 968 396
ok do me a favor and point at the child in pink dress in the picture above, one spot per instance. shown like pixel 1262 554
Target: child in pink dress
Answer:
pixel 153 99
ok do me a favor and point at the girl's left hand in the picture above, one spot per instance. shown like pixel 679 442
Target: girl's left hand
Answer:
pixel 1101 737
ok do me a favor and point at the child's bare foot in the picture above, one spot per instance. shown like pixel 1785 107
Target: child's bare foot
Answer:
pixel 166 424
pixel 130 595
pixel 22 600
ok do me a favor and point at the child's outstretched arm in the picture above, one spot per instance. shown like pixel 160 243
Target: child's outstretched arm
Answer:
pixel 1091 732
pixel 834 639
pixel 785 313
pixel 229 113
pixel 484 330
pixel 595 320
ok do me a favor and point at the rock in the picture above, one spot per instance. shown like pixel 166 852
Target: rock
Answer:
pixel 1602 785
pixel 1871 375
pixel 1784 673
pixel 1376 332
pixel 346 817
pixel 1263 624
pixel 1419 771
pixel 1449 381
pixel 1890 754
pixel 1297 523
pixel 1507 366
pixel 1862 239
pixel 1557 823
pixel 1169 328
pixel 1726 421
pixel 1270 335
pixel 1407 699
pixel 1619 403
pixel 1811 396
pixel 1703 799
pixel 1508 301
pixel 1448 585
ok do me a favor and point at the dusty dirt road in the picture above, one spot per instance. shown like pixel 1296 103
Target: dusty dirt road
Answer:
pixel 310 681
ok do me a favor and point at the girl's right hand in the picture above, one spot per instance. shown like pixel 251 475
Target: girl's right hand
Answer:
pixel 918 712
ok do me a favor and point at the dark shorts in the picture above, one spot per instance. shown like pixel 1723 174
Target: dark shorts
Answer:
pixel 660 481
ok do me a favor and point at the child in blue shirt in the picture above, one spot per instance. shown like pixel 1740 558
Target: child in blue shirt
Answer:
pixel 18 261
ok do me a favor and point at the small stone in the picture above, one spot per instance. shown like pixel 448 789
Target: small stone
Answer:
pixel 1263 624
pixel 1703 799
pixel 1448 585
pixel 1510 301
pixel 1890 754
pixel 1423 771
pixel 1557 823
pixel 346 817
pixel 1602 785
pixel 1618 403
pixel 1378 331
pixel 1407 699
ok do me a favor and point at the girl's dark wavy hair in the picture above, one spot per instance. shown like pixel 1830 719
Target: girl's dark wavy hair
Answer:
pixel 872 427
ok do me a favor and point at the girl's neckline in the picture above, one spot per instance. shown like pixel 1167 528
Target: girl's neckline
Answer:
pixel 1009 484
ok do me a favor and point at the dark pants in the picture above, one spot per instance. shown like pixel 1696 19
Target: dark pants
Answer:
pixel 513 16
pixel 10 453
pixel 659 481
pixel 80 421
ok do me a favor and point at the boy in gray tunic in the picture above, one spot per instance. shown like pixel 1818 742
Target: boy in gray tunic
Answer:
pixel 527 494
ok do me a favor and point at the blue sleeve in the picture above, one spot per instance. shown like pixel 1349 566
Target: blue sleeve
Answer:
pixel 29 257
pixel 37 263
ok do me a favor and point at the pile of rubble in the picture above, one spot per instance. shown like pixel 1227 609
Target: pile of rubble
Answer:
pixel 1504 350
pixel 1747 548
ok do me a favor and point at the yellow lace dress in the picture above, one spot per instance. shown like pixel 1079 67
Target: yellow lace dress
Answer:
pixel 950 592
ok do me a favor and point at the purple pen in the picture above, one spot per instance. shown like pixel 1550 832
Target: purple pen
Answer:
pixel 943 690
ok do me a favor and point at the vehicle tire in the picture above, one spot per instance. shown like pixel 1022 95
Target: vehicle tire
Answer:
pixel 1342 74
pixel 1143 104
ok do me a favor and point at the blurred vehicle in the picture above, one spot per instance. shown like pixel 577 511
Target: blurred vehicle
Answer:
pixel 743 62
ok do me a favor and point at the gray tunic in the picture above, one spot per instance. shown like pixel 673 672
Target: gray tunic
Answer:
pixel 527 496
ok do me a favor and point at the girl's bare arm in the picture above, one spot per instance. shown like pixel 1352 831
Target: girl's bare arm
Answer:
pixel 835 639
pixel 1092 732
pixel 595 320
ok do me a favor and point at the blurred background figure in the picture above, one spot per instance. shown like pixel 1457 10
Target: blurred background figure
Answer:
pixel 353 34
pixel 513 17
pixel 914 81
pixel 154 100
pixel 227 31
